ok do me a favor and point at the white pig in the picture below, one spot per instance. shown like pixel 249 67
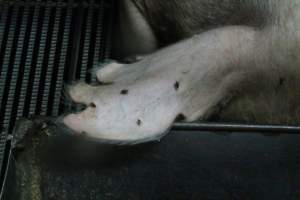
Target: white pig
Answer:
pixel 230 60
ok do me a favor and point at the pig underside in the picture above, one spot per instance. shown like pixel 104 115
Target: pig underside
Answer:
pixel 229 61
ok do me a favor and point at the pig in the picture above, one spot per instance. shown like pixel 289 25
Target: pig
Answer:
pixel 222 60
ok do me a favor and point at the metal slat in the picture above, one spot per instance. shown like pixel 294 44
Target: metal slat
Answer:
pixel 39 64
pixel 98 37
pixel 96 56
pixel 13 90
pixel 3 21
pixel 74 55
pixel 4 77
pixel 28 63
pixel 43 44
pixel 39 3
pixel 36 73
pixel 108 29
pixel 62 63
pixel 87 41
pixel 50 66
pixel 3 149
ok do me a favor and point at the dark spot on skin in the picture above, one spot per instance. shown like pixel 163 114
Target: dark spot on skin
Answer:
pixel 176 85
pixel 83 134
pixel 93 105
pixel 280 84
pixel 124 92
pixel 180 117
pixel 139 122
pixel 281 81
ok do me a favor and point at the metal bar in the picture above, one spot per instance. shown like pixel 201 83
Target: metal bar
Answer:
pixel 5 73
pixel 86 44
pixel 28 63
pixel 39 64
pixel 62 62
pixel 108 42
pixel 216 127
pixel 49 4
pixel 78 19
pixel 51 62
pixel 3 21
pixel 14 90
pixel 98 23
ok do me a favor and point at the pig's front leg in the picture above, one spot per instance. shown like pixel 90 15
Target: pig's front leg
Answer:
pixel 188 79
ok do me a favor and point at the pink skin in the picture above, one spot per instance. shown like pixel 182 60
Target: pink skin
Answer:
pixel 189 78
pixel 146 97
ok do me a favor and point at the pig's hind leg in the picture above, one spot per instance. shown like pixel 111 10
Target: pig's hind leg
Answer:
pixel 187 79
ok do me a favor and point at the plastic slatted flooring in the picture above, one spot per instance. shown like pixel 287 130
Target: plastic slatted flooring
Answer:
pixel 43 44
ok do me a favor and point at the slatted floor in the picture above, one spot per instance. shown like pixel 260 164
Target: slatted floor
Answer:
pixel 42 45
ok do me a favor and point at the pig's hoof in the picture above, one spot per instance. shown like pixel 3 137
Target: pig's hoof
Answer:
pixel 113 72
pixel 125 112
